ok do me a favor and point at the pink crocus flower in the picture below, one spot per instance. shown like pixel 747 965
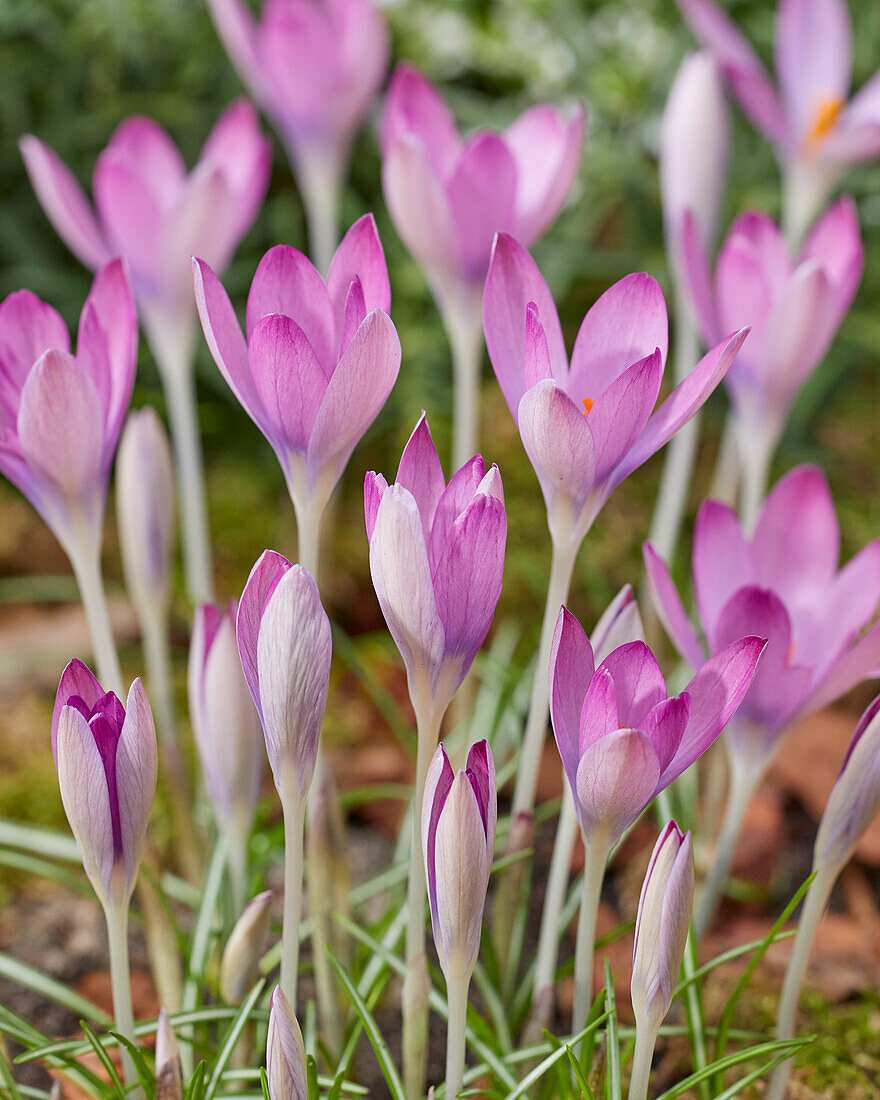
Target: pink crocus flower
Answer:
pixel 61 414
pixel 816 130
pixel 315 364
pixel 588 424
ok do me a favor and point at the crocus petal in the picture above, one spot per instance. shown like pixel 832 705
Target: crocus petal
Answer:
pixel 76 679
pixel 638 682
pixel 688 246
pixel 244 156
pixel 482 194
pixel 134 220
pixel 420 472
pixel 836 242
pixel 745 289
pixel 64 203
pixel 623 326
pixel 28 327
pixel 621 622
pixel 813 53
pixel 270 567
pixel 237 28
pixel 513 283
pixel 481 772
pixel 851 604
pixel 136 770
pixel 289 378
pixel 558 442
pixel 670 609
pixel 599 715
pixel 665 725
pixel 147 148
pixel 571 670
pixel 619 415
pixel 722 560
pixel 851 668
pixel 374 486
pixel 413 109
pixel 204 222
pixel 455 498
pixel 286 1070
pixel 547 151
pixel 438 783
pixel 536 354
pixel 616 779
pixel 359 256
pixel 296 42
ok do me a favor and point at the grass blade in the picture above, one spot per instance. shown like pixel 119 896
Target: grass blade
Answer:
pixel 232 1037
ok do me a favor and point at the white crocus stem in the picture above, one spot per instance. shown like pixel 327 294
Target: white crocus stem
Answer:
pixel 814 907
pixel 745 775
pixel 806 186
pixel 461 311
pixel 153 615
pixel 725 477
pixel 646 1039
pixel 236 835
pixel 116 914
pixel 84 551
pixel 172 344
pixel 757 443
pixel 596 850
pixel 293 808
pixel 457 993
pixel 319 176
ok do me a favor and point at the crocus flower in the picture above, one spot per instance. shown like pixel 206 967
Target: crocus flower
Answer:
pixel 151 212
pixel 285 1052
pixel 621 736
pixel 794 308
pixel 588 425
pixel 458 842
pixel 107 761
pixel 319 359
pixel 662 925
pixel 62 414
pixel 449 198
pixel 285 647
pixel 437 558
pixel 244 948
pixel 817 132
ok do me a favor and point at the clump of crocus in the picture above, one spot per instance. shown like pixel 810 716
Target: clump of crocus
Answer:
pixel 317 362
pixel 816 130
pixel 285 647
pixel 107 761
pixel 62 415
pixel 314 69
pixel 285 1052
pixel 623 739
pixel 449 198
pixel 852 805
pixel 459 814
pixel 437 559
pixel 244 948
pixel 662 926
pixel 782 583
pixel 227 734
pixel 794 307
pixel 155 215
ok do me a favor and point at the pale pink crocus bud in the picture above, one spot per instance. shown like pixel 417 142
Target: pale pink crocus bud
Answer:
pixel 145 508
pixel 459 815
pixel 244 948
pixel 285 1052
pixel 169 1072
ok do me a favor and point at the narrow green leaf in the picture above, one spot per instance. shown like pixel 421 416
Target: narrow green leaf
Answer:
pixel 535 1075
pixel 146 1078
pixel 11 1085
pixel 104 1058
pixel 614 1082
pixel 783 1047
pixel 196 1087
pixel 579 1073
pixel 264 1083
pixel 696 1017
pixel 232 1037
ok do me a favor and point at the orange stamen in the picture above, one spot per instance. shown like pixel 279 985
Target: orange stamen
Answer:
pixel 588 404
pixel 790 655
pixel 824 118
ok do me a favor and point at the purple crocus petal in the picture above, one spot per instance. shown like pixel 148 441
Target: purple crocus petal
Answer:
pixel 136 771
pixel 237 147
pixel 546 149
pixel 758 229
pixel 286 282
pixel 296 41
pixel 413 109
pixel 571 670
pixel 28 327
pixel 420 472
pixel 481 772
pixel 76 680
pixel 64 203
pixel 857 664
pixel 438 784
pixel 237 28
pixel 690 248
pixel 455 498
pixel 836 242
pixel 482 194
pixel 599 715
pixel 619 414
pixel 559 443
pixel 616 779
pixel 289 378
pixel 744 73
pixel 286 1067
pixel 374 486
pixel 745 290
pixel 623 326
pixel 722 560
pixel 144 145
pixel 796 544
pixel 715 693
pixel 850 142
pixel 813 54
pixel 359 256
pixel 133 217
pixel 681 404
pixel 665 725
pixel 204 222
pixel 670 609
pixel 638 682
pixel 361 383
pixel 621 622
pixel 270 567
pixel 536 353
pixel 851 603
pixel 419 208
pixel 354 314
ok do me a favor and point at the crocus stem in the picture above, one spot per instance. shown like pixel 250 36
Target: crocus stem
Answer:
pixel 120 980
pixel 554 899
pixel 293 808
pixel 457 994
pixel 814 907
pixel 308 536
pixel 744 778
pixel 596 856
pixel 462 313
pixel 320 186
pixel 756 454
pixel 85 557
pixel 646 1039
pixel 725 478
pixel 236 841
pixel 805 190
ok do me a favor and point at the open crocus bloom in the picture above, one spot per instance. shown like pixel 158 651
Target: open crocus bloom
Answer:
pixel 794 307
pixel 449 198
pixel 621 737
pixel 437 559
pixel 783 584
pixel 317 360
pixel 154 214
pixel 107 762
pixel 809 118
pixel 60 414
pixel 586 426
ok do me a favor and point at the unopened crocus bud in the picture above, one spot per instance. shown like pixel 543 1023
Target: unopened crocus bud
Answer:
pixel 244 948
pixel 169 1073
pixel 459 814
pixel 285 1052
pixel 145 507
pixel 107 761
pixel 285 647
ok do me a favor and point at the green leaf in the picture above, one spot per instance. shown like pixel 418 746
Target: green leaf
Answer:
pixel 614 1083
pixel 146 1078
pixel 232 1037
pixel 579 1073
pixel 103 1058
pixel 696 1017
pixel 11 1085
pixel 535 1075
pixel 196 1087
pixel 783 1047
pixel 312 1077
pixel 264 1083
